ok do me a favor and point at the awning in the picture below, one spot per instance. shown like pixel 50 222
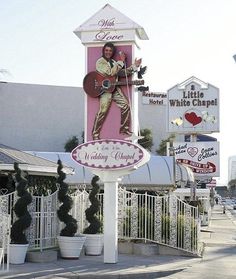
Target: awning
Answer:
pixel 159 171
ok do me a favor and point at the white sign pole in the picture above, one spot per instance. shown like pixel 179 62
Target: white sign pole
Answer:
pixel 111 179
pixel 110 222
pixel 193 138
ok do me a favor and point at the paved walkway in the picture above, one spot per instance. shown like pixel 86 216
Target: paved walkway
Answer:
pixel 218 261
pixel 219 256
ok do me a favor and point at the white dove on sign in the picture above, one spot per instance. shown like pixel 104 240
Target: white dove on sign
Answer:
pixel 178 121
pixel 208 118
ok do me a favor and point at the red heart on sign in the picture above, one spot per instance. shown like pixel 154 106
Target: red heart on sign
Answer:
pixel 193 118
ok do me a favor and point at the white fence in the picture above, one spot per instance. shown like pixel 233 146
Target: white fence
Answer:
pixel 160 219
pixel 6 203
pixel 45 224
pixel 4 241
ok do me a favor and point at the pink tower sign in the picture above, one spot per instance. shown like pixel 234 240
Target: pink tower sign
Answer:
pixel 110 110
pixel 111 73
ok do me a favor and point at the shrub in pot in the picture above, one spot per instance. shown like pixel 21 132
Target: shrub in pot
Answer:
pixel 94 239
pixel 70 245
pixel 19 243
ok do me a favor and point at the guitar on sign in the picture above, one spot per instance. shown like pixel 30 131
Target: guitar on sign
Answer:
pixel 95 84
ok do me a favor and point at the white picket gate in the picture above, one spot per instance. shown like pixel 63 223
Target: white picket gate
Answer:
pixel 44 228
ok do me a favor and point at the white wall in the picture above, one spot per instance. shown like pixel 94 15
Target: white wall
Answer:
pixel 153 117
pixel 39 117
pixel 43 117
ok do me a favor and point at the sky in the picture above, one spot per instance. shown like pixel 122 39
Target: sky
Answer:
pixel 186 38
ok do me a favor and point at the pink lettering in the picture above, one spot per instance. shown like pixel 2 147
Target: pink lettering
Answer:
pixel 106 23
pixel 106 36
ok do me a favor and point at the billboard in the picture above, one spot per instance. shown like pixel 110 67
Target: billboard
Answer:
pixel 113 117
pixel 193 107
pixel 201 157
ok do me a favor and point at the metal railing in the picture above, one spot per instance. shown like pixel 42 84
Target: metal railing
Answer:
pixel 4 242
pixel 44 227
pixel 161 219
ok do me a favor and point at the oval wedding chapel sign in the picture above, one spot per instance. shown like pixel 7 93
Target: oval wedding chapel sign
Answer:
pixel 107 154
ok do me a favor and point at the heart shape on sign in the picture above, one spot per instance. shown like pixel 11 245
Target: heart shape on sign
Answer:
pixel 192 151
pixel 193 118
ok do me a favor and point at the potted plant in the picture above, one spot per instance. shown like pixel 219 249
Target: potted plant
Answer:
pixel 94 239
pixel 70 245
pixel 19 243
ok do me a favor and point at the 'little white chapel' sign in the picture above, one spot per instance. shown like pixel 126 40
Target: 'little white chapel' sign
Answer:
pixel 193 107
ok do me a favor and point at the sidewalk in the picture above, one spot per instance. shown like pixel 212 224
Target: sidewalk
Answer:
pixel 222 229
pixel 129 266
pixel 218 260
pixel 219 256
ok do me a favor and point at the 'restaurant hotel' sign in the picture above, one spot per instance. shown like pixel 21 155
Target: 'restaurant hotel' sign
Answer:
pixel 108 154
pixel 154 98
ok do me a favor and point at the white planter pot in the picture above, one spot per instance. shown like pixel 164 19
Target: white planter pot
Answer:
pixel 17 253
pixel 70 247
pixel 94 244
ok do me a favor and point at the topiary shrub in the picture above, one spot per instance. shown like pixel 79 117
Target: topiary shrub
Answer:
pixel 91 212
pixel 20 208
pixel 70 223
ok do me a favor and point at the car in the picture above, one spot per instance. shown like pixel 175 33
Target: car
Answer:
pixel 234 207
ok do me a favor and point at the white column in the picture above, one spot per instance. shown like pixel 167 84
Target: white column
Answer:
pixel 111 222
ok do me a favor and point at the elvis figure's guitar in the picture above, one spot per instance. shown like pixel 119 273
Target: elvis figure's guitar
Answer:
pixel 95 84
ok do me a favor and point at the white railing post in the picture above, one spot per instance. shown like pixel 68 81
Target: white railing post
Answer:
pixel 145 218
pixel 8 239
pixel 41 222
pixel 82 211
